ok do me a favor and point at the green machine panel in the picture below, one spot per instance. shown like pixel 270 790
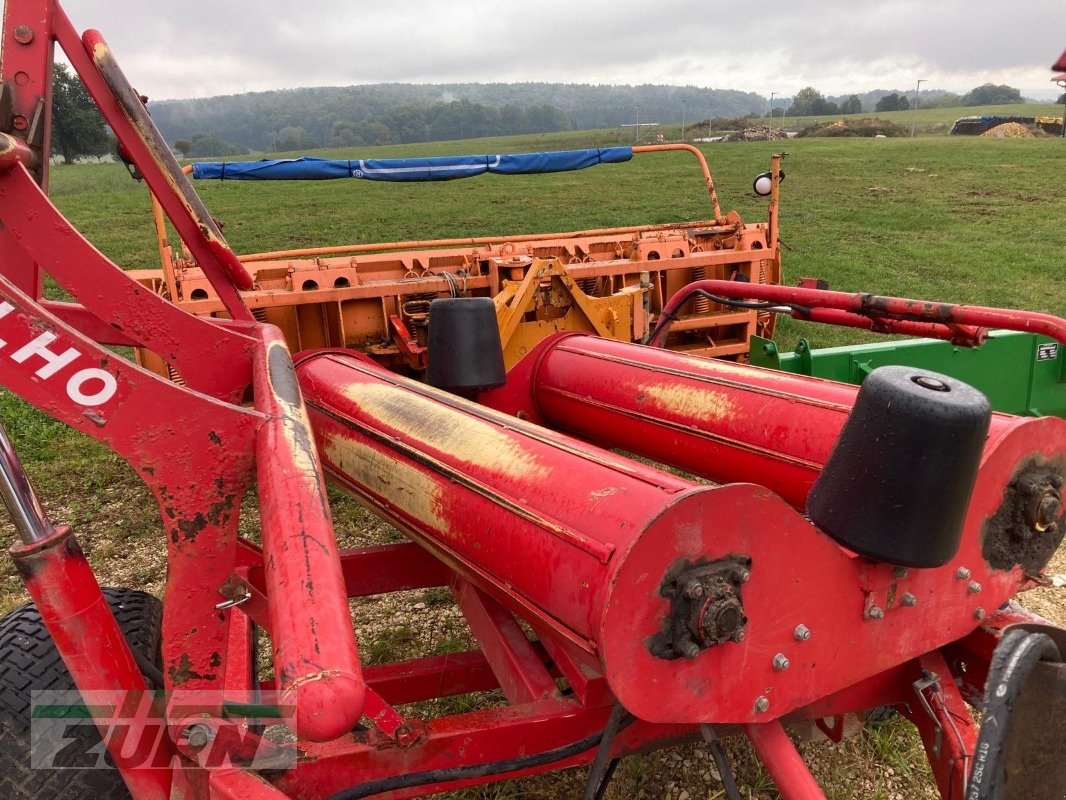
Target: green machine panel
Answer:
pixel 1020 373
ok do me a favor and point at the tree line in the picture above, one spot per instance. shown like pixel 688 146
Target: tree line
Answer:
pixel 355 116
pixel 809 102
pixel 401 113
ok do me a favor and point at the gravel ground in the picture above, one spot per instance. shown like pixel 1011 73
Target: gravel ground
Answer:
pixel 116 523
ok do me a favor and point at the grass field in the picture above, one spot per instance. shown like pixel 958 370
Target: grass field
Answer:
pixel 961 219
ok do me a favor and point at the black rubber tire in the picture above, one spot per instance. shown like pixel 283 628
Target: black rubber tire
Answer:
pixel 29 660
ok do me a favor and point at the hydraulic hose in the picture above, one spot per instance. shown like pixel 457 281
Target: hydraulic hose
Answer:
pixel 450 774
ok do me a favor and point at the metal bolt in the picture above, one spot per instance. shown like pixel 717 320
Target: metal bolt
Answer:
pixel 876 612
pixel 962 574
pixel 974 587
pixel 23 34
pixel 899 572
pixel 198 735
pixel 738 637
pixel 781 661
pixel 694 590
pixel 762 704
pixel 690 649
pixel 802 633
pixel 909 599
pixel 928 382
pixel 979 613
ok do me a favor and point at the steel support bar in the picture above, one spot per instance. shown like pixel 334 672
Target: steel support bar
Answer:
pixel 784 763
pixel 315 657
pixel 518 667
pixel 62 584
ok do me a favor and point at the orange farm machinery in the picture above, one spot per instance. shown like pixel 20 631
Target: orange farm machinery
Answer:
pixel 830 549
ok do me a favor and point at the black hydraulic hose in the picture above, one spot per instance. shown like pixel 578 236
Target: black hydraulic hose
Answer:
pixel 1013 660
pixel 725 772
pixel 450 774
pixel 601 770
pixel 607 778
pixel 669 315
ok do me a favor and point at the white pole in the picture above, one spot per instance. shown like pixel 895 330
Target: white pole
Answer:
pixel 770 132
pixel 682 120
pixel 914 116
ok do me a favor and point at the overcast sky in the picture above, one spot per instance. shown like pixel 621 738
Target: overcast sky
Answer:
pixel 197 48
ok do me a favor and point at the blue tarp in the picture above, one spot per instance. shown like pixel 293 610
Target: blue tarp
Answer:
pixel 444 168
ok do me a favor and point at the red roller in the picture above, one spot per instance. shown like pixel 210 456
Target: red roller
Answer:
pixel 692 597
pixel 724 421
pixel 484 489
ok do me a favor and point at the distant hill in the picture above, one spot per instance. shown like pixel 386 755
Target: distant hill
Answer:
pixel 400 113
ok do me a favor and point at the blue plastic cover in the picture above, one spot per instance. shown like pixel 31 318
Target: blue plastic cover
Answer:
pixel 443 168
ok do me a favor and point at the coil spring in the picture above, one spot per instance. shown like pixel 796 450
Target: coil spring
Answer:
pixel 701 305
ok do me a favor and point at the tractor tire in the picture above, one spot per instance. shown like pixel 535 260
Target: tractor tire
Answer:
pixel 29 660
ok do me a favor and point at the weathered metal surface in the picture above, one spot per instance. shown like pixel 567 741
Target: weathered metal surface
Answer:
pixel 723 421
pixel 487 494
pixel 518 519
pixel 62 584
pixel 315 659
pixel 125 113
pixel 706 607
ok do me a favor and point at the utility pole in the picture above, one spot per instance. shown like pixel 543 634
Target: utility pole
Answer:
pixel 914 116
pixel 638 123
pixel 770 131
pixel 682 120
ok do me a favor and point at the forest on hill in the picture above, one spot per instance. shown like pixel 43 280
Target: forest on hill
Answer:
pixel 299 119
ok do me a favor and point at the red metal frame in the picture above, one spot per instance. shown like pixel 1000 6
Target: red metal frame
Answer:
pixel 586 579
pixel 962 324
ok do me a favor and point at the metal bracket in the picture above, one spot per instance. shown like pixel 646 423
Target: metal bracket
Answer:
pixel 930 680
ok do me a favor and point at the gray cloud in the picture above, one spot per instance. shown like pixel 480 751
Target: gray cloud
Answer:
pixel 197 48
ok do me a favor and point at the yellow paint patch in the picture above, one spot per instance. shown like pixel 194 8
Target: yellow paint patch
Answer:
pixel 729 369
pixel 686 401
pixel 462 436
pixel 395 482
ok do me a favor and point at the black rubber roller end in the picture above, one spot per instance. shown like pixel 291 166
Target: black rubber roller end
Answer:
pixel 897 484
pixel 465 353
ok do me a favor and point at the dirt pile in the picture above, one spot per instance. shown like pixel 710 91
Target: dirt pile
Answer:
pixel 867 126
pixel 1010 130
pixel 758 133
